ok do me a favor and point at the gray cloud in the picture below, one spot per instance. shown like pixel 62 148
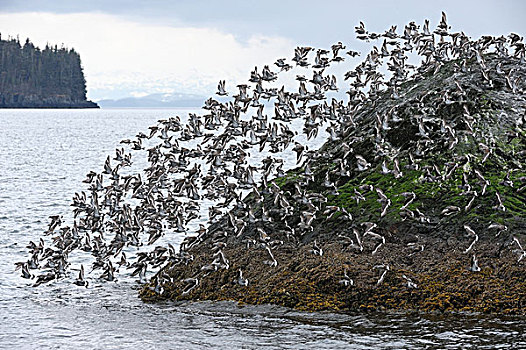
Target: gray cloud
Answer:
pixel 309 21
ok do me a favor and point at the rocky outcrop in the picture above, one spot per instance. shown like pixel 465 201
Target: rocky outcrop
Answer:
pixel 430 216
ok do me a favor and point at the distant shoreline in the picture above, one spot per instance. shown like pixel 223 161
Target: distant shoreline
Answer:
pixel 50 105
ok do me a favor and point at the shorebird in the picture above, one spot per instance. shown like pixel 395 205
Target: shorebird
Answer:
pixel 281 64
pixel 522 251
pixel 361 163
pixel 272 262
pixel 45 278
pixel 80 281
pixel 470 232
pixel 474 264
pixel 316 250
pixel 241 280
pixel 499 227
pixel 450 210
pixel 346 280
pixel 410 197
pixel 410 283
pixel 189 285
pixel 382 276
pixel 500 206
pixel 360 29
pixel 25 271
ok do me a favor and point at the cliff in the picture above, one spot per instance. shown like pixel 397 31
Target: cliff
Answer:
pixel 34 78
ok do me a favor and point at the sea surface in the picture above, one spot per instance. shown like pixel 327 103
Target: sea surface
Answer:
pixel 45 155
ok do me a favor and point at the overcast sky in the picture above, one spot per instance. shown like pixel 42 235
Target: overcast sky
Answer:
pixel 137 47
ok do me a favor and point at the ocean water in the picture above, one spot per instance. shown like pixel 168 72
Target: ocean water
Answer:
pixel 45 155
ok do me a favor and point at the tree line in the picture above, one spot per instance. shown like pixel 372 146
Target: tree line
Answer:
pixel 29 75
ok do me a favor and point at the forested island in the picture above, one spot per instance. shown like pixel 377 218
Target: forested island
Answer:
pixel 35 78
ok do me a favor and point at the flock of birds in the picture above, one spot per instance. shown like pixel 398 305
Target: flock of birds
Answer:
pixel 207 160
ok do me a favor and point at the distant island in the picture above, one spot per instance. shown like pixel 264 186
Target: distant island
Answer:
pixel 34 78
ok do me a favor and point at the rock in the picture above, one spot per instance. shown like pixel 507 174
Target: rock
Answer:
pixel 468 153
